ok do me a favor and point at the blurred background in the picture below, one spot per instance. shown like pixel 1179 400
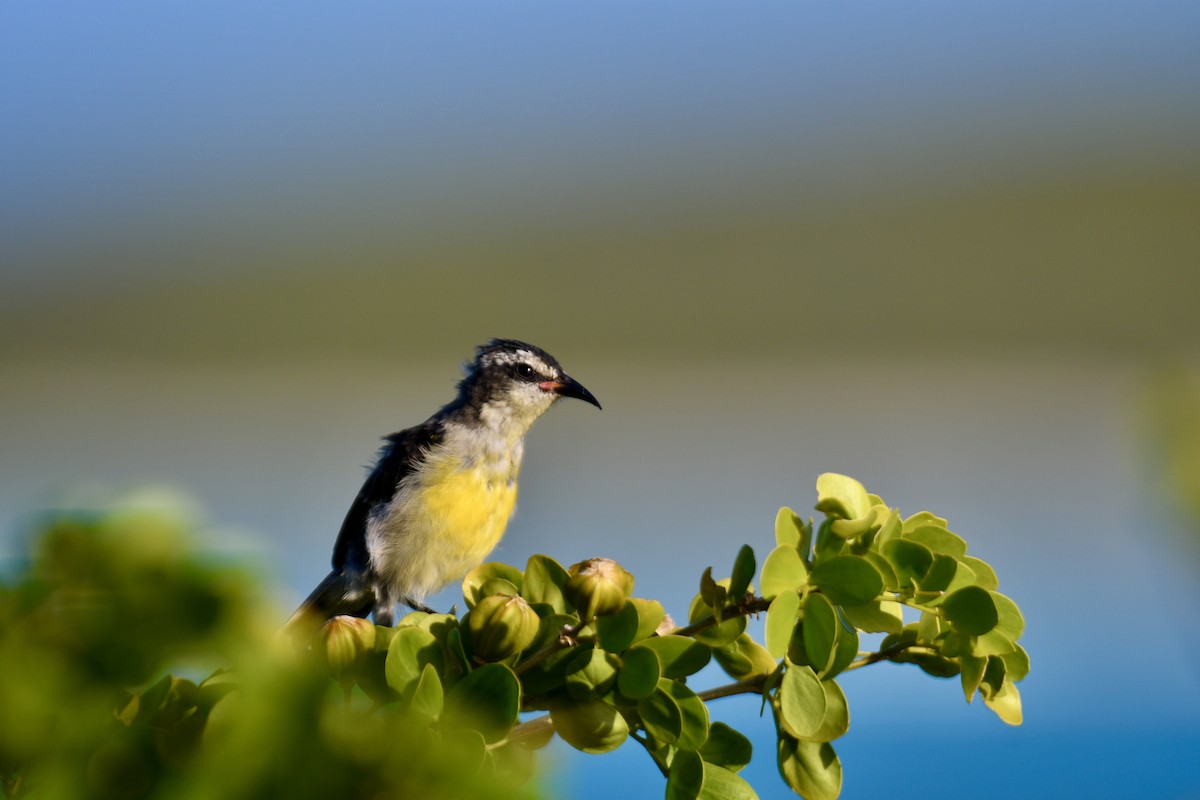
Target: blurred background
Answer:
pixel 949 249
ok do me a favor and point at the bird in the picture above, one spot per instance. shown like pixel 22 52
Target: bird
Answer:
pixel 440 494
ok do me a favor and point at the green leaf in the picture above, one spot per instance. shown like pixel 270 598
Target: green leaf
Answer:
pixel 472 584
pixel 970 610
pixel 543 582
pixel 801 701
pixel 618 630
pixel 789 528
pixel 723 784
pixel 820 631
pixel 679 655
pixel 650 616
pixel 726 747
pixel 639 672
pixel 743 572
pixel 846 652
pixel 971 675
pixel 836 719
pixel 685 779
pixel 409 652
pixel 985 576
pixel 744 657
pixel 875 616
pixel 812 769
pixel 841 497
pixel 783 570
pixel 937 539
pixel 940 573
pixel 717 635
pixel 922 518
pixel 847 579
pixel 781 621
pixel 487 699
pixel 661 716
pixel 1006 703
pixel 694 712
pixel 1016 664
pixel 591 726
pixel 712 593
pixel 591 674
pixel 891 581
pixel 427 698
pixel 910 560
pixel 1010 622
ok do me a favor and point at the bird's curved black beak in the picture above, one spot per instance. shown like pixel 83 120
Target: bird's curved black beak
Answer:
pixel 566 386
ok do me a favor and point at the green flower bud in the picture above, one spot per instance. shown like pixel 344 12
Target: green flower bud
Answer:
pixel 344 643
pixel 500 626
pixel 597 586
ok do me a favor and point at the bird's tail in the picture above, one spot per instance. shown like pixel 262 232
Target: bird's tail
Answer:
pixel 337 594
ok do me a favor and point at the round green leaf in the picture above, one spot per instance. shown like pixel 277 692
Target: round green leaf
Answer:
pixel 801 701
pixel 743 658
pixel 726 747
pixel 971 610
pixel 847 579
pixel 781 621
pixel 693 711
pixel 409 651
pixel 724 784
pixel 618 630
pixel 428 698
pixel 820 631
pixel 686 776
pixel 922 518
pixel 661 716
pixel 1016 664
pixel 591 726
pixel 1006 703
pixel 937 539
pixel 985 576
pixel 591 674
pixel 836 719
pixel 891 581
pixel 486 699
pixel 717 635
pixel 841 496
pixel 789 528
pixel 783 570
pixel 639 672
pixel 910 560
pixel 1010 622
pixel 650 616
pixel 812 769
pixel 846 652
pixel 875 616
pixel 679 655
pixel 543 581
pixel 472 584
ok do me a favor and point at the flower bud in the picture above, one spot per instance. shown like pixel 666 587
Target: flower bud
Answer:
pixel 597 586
pixel 344 642
pixel 501 625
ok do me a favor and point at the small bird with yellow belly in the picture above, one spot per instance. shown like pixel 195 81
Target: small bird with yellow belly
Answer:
pixel 440 494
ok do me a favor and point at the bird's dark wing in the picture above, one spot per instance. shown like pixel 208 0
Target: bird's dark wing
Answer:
pixel 396 459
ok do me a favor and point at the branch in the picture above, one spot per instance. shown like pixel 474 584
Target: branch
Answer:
pixel 886 654
pixel 752 685
pixel 750 605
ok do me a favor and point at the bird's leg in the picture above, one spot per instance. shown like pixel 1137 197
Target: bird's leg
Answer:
pixel 415 606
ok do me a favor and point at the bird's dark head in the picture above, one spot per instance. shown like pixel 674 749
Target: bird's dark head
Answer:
pixel 521 375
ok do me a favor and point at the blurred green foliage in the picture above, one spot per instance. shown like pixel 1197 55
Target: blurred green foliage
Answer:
pixel 432 707
pixel 107 603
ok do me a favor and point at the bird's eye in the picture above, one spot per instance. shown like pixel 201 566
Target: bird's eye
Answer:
pixel 524 371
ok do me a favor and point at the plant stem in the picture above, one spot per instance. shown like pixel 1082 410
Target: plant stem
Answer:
pixel 565 639
pixel 753 685
pixel 751 605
